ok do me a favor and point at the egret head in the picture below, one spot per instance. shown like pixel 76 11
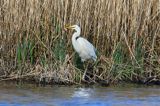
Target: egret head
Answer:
pixel 74 27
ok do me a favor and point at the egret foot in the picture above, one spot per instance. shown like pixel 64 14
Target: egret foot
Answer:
pixel 85 77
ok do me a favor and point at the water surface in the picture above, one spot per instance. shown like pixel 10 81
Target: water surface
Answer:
pixel 123 95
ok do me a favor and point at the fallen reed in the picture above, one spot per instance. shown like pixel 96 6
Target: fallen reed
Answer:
pixel 34 45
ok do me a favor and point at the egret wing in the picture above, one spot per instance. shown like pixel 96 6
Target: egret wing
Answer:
pixel 87 47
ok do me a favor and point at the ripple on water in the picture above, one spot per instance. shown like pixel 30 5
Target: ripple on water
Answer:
pixel 72 96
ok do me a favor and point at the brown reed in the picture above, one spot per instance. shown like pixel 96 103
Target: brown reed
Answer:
pixel 34 45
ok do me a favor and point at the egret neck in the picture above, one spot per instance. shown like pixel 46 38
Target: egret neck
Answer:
pixel 76 34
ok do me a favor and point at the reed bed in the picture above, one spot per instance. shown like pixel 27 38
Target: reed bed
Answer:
pixel 35 46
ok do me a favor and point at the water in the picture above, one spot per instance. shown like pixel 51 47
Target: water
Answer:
pixel 31 95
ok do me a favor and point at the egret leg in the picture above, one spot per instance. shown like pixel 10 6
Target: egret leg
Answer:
pixel 85 71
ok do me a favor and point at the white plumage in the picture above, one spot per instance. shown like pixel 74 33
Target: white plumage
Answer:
pixel 82 46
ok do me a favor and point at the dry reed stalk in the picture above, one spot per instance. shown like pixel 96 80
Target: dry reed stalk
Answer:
pixel 123 31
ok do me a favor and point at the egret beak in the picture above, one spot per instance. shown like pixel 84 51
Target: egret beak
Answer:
pixel 68 27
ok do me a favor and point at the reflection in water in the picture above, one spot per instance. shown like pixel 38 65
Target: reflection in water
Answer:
pixel 30 95
pixel 82 93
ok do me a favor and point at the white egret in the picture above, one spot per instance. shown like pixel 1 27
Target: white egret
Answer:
pixel 82 46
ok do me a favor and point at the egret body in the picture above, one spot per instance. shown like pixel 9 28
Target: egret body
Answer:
pixel 82 46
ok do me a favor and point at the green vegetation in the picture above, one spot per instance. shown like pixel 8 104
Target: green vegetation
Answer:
pixel 35 47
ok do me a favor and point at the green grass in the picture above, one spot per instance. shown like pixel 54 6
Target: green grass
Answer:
pixel 25 52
